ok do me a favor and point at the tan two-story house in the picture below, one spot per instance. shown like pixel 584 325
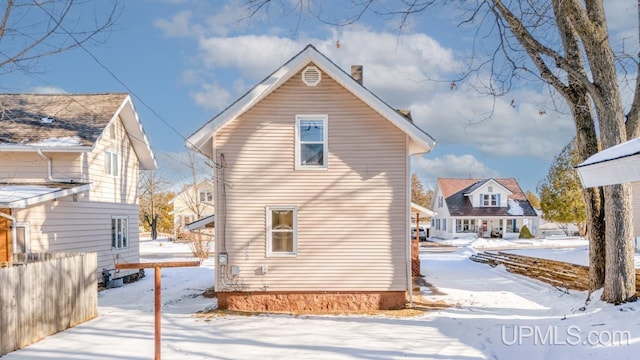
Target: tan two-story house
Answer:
pixel 69 166
pixel 312 196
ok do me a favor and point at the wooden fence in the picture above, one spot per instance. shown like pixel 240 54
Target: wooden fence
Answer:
pixel 557 273
pixel 42 294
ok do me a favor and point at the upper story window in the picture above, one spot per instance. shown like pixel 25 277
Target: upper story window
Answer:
pixel 440 201
pixel 489 200
pixel 112 131
pixel 111 163
pixel 282 231
pixel 311 142
pixel 206 195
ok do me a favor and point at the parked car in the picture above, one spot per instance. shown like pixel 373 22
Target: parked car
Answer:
pixel 422 235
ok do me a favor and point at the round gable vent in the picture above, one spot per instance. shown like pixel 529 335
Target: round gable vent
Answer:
pixel 311 76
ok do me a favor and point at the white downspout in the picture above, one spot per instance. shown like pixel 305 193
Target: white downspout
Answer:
pixel 49 170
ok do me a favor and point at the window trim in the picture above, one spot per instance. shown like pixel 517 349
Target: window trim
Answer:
pixel 269 245
pixel 110 171
pixel 27 237
pixel 127 241
pixel 325 135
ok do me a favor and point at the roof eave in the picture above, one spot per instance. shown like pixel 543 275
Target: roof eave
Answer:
pixel 24 203
pixel 137 136
pixel 34 148
pixel 199 139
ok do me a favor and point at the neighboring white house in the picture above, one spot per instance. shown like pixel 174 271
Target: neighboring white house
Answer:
pixel 481 207
pixel 192 203
pixel 69 167
pixel 312 192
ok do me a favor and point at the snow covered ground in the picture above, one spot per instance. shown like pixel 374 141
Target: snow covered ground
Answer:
pixel 494 314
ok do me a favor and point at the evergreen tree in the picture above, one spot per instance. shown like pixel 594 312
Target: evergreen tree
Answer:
pixel 419 195
pixel 561 198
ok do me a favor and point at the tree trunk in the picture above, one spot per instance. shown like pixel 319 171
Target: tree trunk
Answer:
pixel 620 276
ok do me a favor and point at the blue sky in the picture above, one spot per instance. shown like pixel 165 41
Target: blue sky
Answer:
pixel 186 60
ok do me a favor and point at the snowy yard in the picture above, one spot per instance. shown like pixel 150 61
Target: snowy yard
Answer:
pixel 493 314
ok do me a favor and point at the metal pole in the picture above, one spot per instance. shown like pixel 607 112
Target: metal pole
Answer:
pixel 158 310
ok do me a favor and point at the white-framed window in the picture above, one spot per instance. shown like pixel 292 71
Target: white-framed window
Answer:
pixel 206 196
pixel 489 200
pixel 21 241
pixel 512 225
pixel 312 145
pixel 282 230
pixel 440 201
pixel 112 131
pixel 465 225
pixel 111 163
pixel 119 232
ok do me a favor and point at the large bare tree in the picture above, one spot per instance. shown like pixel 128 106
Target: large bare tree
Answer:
pixel 565 44
pixel 33 29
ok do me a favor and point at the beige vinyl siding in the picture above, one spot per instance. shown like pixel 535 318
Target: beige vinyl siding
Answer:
pixel 351 217
pixel 67 226
pixel 84 226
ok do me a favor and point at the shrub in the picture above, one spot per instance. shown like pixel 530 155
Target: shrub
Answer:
pixel 525 233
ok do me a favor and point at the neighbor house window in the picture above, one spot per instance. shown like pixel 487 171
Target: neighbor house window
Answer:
pixel 311 142
pixel 111 163
pixel 206 195
pixel 465 225
pixel 512 225
pixel 112 131
pixel 119 232
pixel 21 241
pixel 490 200
pixel 440 201
pixel 281 231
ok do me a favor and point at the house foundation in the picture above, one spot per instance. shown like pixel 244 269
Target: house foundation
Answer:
pixel 311 301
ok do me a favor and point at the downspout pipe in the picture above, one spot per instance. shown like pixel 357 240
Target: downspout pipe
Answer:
pixel 49 168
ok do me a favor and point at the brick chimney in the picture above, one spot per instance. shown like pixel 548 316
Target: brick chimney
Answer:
pixel 356 73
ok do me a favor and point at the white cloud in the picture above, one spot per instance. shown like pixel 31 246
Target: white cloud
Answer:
pixel 396 69
pixel 212 97
pixel 180 25
pixel 48 90
pixel 464 166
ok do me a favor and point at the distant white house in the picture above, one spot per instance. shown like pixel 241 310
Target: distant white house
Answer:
pixel 481 207
pixel 192 204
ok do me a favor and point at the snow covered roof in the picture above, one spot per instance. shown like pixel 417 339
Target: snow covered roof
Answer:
pixel 201 139
pixel 423 211
pixel 615 165
pixel 68 123
pixel 205 222
pixel 22 195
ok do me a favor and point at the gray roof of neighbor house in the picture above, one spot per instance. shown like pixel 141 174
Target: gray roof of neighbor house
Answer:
pixel 454 191
pixel 68 122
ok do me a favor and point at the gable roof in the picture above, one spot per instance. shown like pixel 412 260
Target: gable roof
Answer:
pixel 201 138
pixel 455 190
pixel 68 123
pixel 473 188
pixel 615 165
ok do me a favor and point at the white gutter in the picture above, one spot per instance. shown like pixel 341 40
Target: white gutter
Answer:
pixel 49 166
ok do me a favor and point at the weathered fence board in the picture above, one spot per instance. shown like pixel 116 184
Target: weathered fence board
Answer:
pixel 42 294
pixel 557 273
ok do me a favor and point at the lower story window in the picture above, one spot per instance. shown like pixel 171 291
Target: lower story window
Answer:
pixel 465 225
pixel 281 231
pixel 119 232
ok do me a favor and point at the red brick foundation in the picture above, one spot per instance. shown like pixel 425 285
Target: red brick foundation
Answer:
pixel 311 301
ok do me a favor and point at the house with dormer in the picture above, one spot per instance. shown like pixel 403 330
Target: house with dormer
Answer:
pixel 480 207
pixel 312 198
pixel 69 169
